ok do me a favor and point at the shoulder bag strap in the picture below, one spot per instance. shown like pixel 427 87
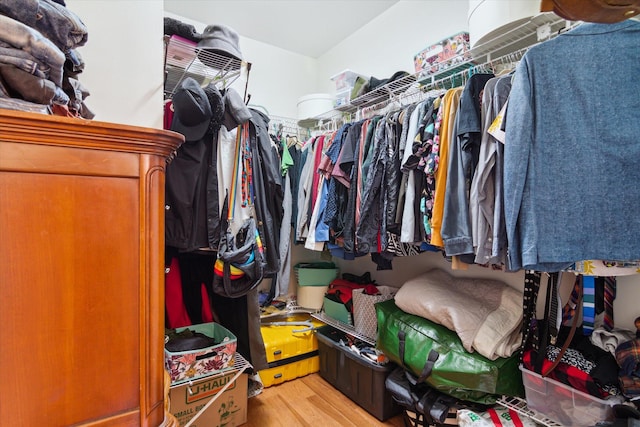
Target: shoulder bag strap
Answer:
pixel 572 331
pixel 432 357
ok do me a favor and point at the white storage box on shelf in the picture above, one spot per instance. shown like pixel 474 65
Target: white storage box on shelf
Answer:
pixel 564 404
pixel 342 99
pixel 311 107
pixel 346 79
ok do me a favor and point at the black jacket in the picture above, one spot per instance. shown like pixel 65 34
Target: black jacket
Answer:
pixel 191 196
pixel 269 194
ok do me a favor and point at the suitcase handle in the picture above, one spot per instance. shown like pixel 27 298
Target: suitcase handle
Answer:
pixel 308 324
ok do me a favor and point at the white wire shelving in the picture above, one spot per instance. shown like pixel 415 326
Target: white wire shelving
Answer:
pixel 184 59
pixel 498 46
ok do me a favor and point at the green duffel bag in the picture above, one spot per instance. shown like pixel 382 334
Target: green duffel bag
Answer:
pixel 435 355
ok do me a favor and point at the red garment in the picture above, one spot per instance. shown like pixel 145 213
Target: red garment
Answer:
pixel 177 316
pixel 168 114
pixel 566 374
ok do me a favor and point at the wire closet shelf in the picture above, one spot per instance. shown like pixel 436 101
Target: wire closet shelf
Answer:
pixel 184 59
pixel 502 47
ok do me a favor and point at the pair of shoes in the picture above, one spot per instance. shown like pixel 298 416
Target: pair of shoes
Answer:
pixel 255 385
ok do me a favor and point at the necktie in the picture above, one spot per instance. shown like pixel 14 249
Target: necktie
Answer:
pixel 609 297
pixel 588 304
pixel 553 307
pixel 569 309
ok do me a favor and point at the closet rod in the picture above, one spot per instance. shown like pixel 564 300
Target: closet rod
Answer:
pixel 423 91
pixel 287 126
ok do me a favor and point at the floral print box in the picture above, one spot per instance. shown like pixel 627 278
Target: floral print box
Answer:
pixel 192 364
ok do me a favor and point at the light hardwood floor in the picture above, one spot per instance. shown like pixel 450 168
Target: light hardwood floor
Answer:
pixel 309 401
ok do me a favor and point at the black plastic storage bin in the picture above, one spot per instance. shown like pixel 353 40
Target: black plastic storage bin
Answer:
pixel 358 378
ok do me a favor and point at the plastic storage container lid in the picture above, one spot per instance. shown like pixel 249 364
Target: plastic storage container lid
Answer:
pixel 311 106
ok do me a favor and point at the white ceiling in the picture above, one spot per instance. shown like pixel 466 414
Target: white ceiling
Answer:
pixel 307 27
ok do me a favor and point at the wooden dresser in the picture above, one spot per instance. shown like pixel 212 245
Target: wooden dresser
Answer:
pixel 81 271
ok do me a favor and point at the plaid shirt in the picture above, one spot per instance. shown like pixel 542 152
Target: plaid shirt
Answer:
pixel 628 357
pixel 630 386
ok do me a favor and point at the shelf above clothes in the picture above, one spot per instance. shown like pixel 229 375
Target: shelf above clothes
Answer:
pixel 506 44
pixel 184 59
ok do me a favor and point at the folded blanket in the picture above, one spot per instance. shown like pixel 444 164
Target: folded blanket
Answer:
pixel 486 314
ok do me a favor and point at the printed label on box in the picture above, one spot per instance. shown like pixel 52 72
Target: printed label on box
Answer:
pixel 229 409
pixel 209 388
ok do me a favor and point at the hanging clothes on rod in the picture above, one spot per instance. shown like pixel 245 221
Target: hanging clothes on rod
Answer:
pixel 384 176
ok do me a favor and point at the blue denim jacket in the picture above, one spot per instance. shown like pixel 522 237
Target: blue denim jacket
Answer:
pixel 572 150
pixel 53 20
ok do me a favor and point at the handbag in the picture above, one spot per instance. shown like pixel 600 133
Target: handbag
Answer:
pixel 240 265
pixel 364 311
pixel 423 405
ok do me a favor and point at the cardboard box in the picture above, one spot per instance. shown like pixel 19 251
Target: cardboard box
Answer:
pixel 229 409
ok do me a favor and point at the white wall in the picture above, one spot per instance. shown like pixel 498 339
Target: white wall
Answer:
pixel 124 59
pixel 389 42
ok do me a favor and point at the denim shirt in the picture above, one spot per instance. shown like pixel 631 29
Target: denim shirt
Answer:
pixel 54 21
pixel 21 36
pixel 572 150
